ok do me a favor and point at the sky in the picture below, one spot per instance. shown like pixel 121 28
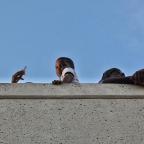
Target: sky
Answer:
pixel 95 34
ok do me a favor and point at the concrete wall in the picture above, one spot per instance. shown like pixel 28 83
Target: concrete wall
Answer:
pixel 71 114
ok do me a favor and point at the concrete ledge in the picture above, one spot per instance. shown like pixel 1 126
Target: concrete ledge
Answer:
pixel 71 114
pixel 70 91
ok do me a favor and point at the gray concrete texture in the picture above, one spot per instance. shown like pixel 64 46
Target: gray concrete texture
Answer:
pixel 70 91
pixel 71 121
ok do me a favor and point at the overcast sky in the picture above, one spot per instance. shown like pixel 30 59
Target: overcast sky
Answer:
pixel 96 34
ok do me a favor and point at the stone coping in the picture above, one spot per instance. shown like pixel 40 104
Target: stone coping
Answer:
pixel 70 91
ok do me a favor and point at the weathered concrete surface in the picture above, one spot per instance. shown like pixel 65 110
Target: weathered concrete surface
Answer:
pixel 71 121
pixel 70 91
